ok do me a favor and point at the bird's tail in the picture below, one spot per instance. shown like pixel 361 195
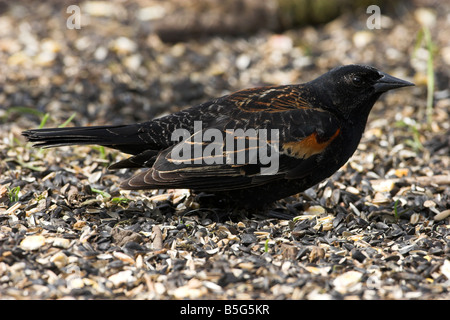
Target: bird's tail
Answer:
pixel 122 137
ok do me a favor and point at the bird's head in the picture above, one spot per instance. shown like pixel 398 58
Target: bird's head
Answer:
pixel 355 88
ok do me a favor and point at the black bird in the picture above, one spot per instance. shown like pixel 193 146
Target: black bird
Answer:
pixel 306 131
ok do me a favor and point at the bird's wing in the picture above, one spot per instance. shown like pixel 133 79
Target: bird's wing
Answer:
pixel 270 99
pixel 244 109
pixel 255 143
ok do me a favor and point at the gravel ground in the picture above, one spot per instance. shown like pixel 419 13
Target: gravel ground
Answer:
pixel 377 229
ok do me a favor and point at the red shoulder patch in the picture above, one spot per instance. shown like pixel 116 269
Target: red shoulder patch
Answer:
pixel 308 146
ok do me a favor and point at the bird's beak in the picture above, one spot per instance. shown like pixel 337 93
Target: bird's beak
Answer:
pixel 388 82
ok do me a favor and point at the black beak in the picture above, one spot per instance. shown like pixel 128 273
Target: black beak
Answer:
pixel 388 82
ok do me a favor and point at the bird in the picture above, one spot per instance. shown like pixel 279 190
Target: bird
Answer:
pixel 249 148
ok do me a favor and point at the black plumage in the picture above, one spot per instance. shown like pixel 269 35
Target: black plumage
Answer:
pixel 317 126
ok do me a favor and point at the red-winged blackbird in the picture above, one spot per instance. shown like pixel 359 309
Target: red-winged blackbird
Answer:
pixel 311 130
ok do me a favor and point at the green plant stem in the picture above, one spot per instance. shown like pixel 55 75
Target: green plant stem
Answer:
pixel 430 74
pixel 68 120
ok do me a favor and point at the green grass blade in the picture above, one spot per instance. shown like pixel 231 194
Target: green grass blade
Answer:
pixel 68 120
pixel 44 120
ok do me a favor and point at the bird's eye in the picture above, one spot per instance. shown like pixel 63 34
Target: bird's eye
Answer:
pixel 357 81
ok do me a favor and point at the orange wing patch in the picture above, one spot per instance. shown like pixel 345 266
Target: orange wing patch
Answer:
pixel 309 146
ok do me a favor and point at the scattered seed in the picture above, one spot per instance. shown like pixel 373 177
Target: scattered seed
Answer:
pixel 442 215
pixel 32 242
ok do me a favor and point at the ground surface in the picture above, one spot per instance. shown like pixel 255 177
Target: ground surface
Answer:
pixel 375 230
